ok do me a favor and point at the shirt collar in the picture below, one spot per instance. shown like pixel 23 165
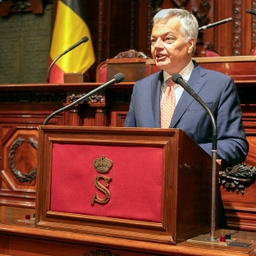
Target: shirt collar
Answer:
pixel 185 72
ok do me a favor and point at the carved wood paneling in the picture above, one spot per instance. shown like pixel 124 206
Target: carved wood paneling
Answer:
pixel 133 24
pixel 118 118
pixel 101 30
pixel 240 208
pixel 253 24
pixel 21 112
pixel 18 175
pixel 237 17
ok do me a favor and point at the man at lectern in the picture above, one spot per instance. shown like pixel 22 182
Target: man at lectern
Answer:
pixel 158 102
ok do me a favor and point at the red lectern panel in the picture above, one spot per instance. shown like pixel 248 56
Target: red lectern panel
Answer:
pixel 136 183
pixel 133 194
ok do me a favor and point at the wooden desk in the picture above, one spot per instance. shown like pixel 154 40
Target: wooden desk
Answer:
pixel 20 237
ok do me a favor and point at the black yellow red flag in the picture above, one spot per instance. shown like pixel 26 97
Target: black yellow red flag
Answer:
pixel 70 27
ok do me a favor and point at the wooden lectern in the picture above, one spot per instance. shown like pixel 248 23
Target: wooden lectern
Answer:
pixel 142 184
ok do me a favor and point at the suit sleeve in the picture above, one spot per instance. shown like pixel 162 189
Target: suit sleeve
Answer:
pixel 232 146
pixel 130 120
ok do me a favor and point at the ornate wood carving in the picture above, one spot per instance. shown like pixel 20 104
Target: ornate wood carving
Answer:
pixel 149 28
pixel 215 35
pixel 201 13
pixel 100 30
pixel 254 23
pixel 133 24
pixel 238 177
pixel 100 253
pixel 237 4
pixel 156 4
pixel 131 54
pixel 26 177
pixel 15 6
pixel 96 98
pixel 32 97
pixel 18 174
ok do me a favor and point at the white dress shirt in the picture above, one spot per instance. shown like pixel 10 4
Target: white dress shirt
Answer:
pixel 185 73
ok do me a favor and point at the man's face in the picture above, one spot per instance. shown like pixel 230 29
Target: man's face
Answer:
pixel 168 47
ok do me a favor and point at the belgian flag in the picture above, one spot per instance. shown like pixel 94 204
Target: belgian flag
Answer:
pixel 69 28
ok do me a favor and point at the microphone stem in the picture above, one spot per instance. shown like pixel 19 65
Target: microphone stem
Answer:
pixel 214 159
pixel 213 206
pixel 178 79
pixel 83 40
pixel 214 152
pixel 215 24
pixel 49 70
pixel 83 98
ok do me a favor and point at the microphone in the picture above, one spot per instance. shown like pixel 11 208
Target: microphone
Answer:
pixel 251 11
pixel 215 23
pixel 116 79
pixel 83 40
pixel 177 78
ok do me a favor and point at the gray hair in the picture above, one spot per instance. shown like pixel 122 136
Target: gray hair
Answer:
pixel 189 23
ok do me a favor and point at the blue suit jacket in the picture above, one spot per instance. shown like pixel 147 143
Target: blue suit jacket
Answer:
pixel 217 90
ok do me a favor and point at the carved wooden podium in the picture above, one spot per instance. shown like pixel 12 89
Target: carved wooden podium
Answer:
pixel 143 184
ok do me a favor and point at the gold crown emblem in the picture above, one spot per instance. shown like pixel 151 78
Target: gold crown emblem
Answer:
pixel 102 164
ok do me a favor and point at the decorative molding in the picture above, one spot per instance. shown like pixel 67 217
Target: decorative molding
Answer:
pixel 119 98
pixel 149 28
pixel 155 5
pixel 96 98
pixel 131 54
pixel 237 6
pixel 32 98
pixel 215 34
pixel 14 6
pixel 100 253
pixel 100 30
pixel 11 160
pixel 253 23
pixel 118 118
pixel 133 24
pixel 201 13
pixel 238 177
pixel 19 6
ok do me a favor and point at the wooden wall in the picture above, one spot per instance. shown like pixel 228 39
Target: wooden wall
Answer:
pixel 122 25
pixel 115 26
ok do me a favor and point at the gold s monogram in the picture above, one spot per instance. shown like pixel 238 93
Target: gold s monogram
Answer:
pixel 102 165
pixel 102 189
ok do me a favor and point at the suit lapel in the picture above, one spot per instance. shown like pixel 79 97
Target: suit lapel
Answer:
pixel 155 98
pixel 196 81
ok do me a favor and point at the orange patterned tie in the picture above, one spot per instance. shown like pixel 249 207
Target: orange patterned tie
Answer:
pixel 168 105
